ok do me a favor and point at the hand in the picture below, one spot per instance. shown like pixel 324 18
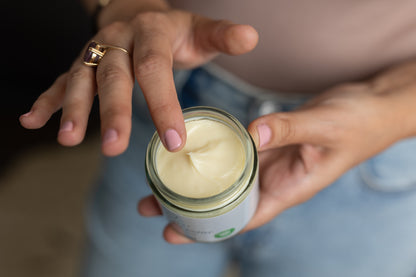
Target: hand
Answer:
pixel 156 41
pixel 304 151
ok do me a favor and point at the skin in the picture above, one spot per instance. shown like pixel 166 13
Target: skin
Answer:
pixel 157 40
pixel 305 151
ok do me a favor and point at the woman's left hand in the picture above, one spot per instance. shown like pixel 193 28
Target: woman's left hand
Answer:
pixel 304 151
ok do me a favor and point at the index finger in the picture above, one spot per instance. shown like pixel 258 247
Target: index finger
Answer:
pixel 154 72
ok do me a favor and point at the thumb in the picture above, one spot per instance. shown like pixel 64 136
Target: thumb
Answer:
pixel 224 36
pixel 298 127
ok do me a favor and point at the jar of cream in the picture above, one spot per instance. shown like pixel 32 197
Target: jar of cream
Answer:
pixel 209 189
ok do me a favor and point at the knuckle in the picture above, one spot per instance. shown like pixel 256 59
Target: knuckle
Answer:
pixel 110 73
pixel 52 97
pixel 109 32
pixel 119 111
pixel 78 74
pixel 285 129
pixel 333 132
pixel 162 108
pixel 151 62
pixel 74 101
pixel 62 78
pixel 44 102
pixel 149 18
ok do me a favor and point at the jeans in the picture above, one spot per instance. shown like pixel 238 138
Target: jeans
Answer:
pixel 364 224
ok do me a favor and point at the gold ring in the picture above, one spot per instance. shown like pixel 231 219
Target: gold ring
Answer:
pixel 95 52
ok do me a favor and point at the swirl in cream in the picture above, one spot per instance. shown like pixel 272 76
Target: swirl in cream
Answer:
pixel 211 161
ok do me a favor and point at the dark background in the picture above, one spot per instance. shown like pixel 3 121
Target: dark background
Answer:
pixel 39 41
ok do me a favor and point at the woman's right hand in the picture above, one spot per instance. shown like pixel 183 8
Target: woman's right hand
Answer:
pixel 157 41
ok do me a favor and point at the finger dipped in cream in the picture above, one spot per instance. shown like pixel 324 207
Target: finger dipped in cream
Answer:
pixel 212 159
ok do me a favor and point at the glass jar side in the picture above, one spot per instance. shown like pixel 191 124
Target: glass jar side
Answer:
pixel 222 199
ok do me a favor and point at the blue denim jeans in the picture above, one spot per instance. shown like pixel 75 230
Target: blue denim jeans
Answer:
pixel 364 224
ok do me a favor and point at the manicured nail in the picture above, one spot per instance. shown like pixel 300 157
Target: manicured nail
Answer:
pixel 27 114
pixel 172 139
pixel 110 135
pixel 67 127
pixel 265 134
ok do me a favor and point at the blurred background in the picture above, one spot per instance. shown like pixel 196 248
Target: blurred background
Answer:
pixel 43 186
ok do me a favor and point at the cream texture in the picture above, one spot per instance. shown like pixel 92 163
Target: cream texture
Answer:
pixel 211 161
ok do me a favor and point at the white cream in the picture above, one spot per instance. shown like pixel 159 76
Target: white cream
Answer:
pixel 211 161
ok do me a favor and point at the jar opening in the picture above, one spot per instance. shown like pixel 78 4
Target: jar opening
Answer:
pixel 211 202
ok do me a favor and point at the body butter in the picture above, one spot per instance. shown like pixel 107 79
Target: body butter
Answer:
pixel 210 187
pixel 211 161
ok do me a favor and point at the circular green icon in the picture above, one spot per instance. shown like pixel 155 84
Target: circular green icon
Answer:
pixel 224 233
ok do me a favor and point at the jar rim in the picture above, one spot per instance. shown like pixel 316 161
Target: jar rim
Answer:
pixel 215 201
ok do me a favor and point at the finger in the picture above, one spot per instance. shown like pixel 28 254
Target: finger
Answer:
pixel 280 129
pixel 47 104
pixel 153 69
pixel 173 234
pixel 210 37
pixel 272 203
pixel 280 177
pixel 149 206
pixel 115 85
pixel 267 209
pixel 293 182
pixel 224 36
pixel 79 96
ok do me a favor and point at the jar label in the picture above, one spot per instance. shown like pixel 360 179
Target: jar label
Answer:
pixel 219 227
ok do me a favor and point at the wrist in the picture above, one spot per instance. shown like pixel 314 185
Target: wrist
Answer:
pixel 400 103
pixel 396 87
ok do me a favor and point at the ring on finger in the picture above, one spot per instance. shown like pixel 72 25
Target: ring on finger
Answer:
pixel 95 52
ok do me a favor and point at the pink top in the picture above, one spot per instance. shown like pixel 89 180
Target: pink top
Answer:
pixel 309 45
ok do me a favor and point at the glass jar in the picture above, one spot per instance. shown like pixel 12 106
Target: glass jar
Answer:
pixel 220 216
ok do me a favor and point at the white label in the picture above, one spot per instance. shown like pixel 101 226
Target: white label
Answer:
pixel 219 227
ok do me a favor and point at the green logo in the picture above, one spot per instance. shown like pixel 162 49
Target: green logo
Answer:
pixel 224 233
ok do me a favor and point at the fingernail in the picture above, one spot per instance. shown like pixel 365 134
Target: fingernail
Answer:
pixel 265 134
pixel 110 135
pixel 67 127
pixel 172 139
pixel 27 114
